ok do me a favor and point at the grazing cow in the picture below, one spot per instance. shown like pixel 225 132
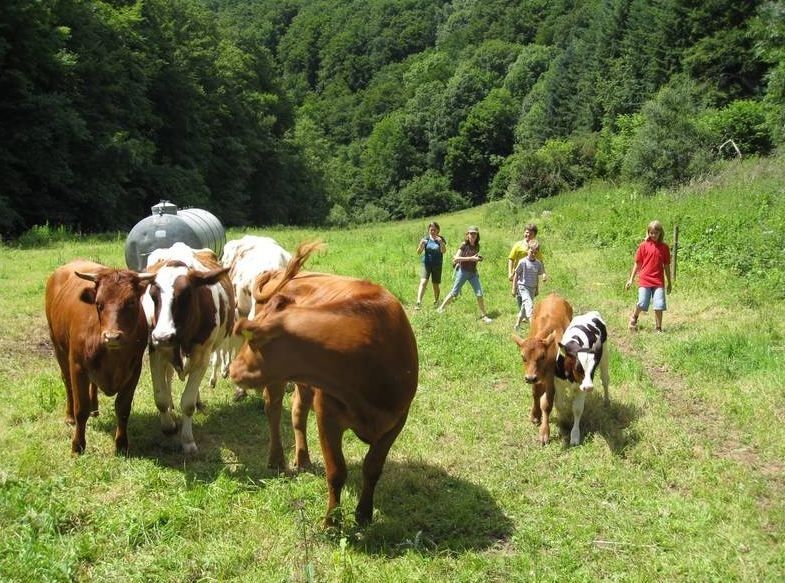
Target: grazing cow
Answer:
pixel 581 349
pixel 351 339
pixel 190 309
pixel 539 351
pixel 246 258
pixel 99 333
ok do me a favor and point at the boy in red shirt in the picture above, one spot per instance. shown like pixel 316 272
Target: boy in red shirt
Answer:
pixel 652 265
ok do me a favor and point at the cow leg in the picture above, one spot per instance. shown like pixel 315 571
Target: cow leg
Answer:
pixel 536 413
pixel 604 376
pixel 578 402
pixel 161 373
pixel 65 373
pixel 187 408
pixel 302 400
pixel 331 441
pixel 80 385
pixel 93 400
pixel 546 405
pixel 215 363
pixel 122 408
pixel 273 403
pixel 372 469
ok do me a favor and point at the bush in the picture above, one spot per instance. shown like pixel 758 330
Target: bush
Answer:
pixel 669 147
pixel 43 235
pixel 743 121
pixel 429 194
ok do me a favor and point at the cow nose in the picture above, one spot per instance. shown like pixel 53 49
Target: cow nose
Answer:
pixel 111 337
pixel 531 378
pixel 586 387
pixel 162 339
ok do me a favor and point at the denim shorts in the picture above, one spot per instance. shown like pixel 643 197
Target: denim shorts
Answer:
pixel 462 277
pixel 645 295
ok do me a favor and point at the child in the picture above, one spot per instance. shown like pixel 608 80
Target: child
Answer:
pixel 652 262
pixel 466 259
pixel 525 282
pixel 518 252
pixel 432 248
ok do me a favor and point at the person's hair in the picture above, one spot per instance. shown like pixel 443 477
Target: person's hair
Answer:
pixel 434 224
pixel 534 245
pixel 656 226
pixel 531 227
pixel 477 242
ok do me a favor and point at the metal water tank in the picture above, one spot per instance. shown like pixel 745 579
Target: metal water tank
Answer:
pixel 166 226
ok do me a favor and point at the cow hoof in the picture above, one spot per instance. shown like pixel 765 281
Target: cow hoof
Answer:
pixel 535 420
pixel 169 430
pixel 70 420
pixel 200 406
pixel 190 448
pixel 302 463
pixel 239 395
pixel 95 413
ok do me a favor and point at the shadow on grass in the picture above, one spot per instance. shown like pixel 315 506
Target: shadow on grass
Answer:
pixel 416 506
pixel 611 422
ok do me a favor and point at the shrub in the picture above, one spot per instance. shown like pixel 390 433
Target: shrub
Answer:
pixel 429 194
pixel 745 122
pixel 669 147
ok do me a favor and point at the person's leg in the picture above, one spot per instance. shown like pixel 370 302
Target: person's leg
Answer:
pixel 527 304
pixel 436 280
pixel 659 307
pixel 456 289
pixel 436 293
pixel 477 287
pixel 421 292
pixel 644 298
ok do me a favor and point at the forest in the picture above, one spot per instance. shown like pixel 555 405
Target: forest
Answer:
pixel 335 113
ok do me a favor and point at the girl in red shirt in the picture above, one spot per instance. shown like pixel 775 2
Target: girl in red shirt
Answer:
pixel 652 265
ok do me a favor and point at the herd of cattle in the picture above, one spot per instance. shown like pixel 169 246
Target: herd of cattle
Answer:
pixel 257 317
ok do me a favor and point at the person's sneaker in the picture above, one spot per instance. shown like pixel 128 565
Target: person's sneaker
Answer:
pixel 440 310
pixel 658 330
pixel 633 324
pixel 417 306
pixel 436 303
pixel 486 319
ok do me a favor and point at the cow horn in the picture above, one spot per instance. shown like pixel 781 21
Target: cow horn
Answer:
pixel 146 276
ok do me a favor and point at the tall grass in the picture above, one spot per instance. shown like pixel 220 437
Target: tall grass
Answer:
pixel 680 478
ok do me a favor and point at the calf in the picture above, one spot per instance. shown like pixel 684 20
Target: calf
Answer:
pixel 352 340
pixel 190 309
pixel 581 349
pixel 99 333
pixel 539 352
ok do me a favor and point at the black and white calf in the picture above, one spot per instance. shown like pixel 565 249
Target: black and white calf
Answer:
pixel 581 350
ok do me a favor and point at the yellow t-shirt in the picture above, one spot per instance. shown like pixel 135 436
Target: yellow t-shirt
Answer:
pixel 520 249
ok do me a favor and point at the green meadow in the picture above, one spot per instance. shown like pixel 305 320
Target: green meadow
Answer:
pixel 680 478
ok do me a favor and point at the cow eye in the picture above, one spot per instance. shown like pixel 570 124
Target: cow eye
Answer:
pixel 99 306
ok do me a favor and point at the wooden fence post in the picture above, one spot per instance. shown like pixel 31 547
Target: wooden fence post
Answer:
pixel 675 251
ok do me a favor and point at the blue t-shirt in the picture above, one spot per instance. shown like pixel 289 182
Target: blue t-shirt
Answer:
pixel 432 255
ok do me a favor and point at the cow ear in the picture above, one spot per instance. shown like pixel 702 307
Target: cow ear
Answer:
pixel 88 295
pixel 280 301
pixel 563 350
pixel 595 348
pixel 86 275
pixel 208 277
pixel 518 340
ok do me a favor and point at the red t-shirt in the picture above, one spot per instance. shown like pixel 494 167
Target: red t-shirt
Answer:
pixel 652 258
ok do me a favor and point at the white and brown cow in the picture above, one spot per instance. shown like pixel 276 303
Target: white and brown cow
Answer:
pixel 582 350
pixel 99 333
pixel 351 339
pixel 190 309
pixel 246 258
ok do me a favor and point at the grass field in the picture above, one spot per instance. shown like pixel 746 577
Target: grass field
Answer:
pixel 681 478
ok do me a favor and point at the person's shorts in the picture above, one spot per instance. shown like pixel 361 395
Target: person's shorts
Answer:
pixel 432 271
pixel 462 277
pixel 647 294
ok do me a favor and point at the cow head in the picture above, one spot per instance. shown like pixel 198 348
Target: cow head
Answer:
pixel 175 297
pixel 116 297
pixel 580 362
pixel 538 356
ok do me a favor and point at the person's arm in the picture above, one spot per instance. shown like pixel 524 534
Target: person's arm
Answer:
pixel 544 275
pixel 421 247
pixel 442 245
pixel 515 282
pixel 510 269
pixel 632 275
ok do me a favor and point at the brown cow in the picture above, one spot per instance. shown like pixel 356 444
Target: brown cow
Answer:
pixel 351 339
pixel 99 333
pixel 539 351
